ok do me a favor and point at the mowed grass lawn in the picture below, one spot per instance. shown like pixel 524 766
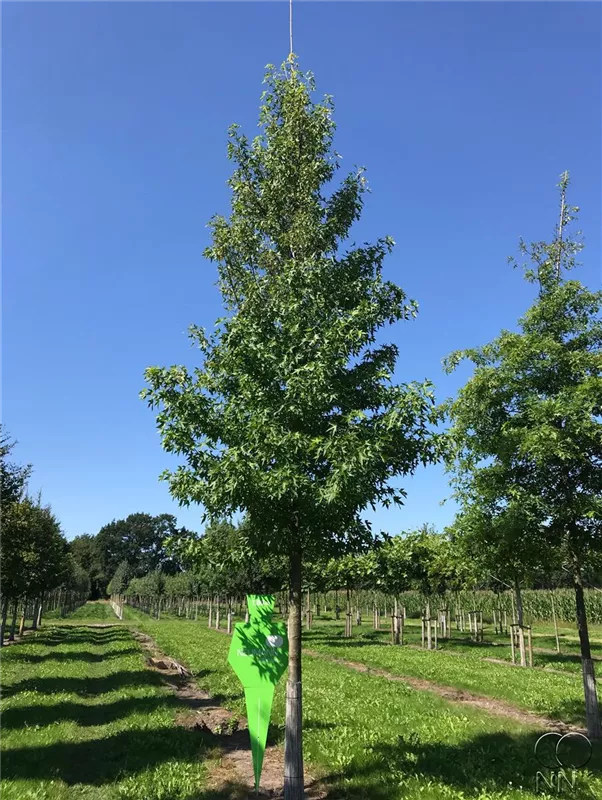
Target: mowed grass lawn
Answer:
pixel 373 739
pixel 559 696
pixel 95 611
pixel 83 718
pixel 494 645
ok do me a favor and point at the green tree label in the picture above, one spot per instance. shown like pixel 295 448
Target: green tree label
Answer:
pixel 259 655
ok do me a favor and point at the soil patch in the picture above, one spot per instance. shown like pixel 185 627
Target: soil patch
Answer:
pixel 225 733
pixel 453 695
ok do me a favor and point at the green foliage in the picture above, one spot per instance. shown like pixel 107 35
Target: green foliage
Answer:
pixel 120 580
pixel 527 427
pixel 86 552
pixel 34 555
pixel 13 477
pixel 550 694
pixel 537 603
pixel 292 416
pixel 140 541
pixel 149 587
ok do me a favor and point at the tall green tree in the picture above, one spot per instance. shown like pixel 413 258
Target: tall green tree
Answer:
pixel 140 540
pixel 528 424
pixel 292 416
pixel 499 543
pixel 13 477
pixel 120 580
pixel 34 557
pixel 86 552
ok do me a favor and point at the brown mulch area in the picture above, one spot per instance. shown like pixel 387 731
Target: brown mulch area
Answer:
pixel 453 695
pixel 225 733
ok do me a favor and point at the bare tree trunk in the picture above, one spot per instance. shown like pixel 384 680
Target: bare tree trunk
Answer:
pixel 40 609
pixel 592 710
pixel 4 616
pixel 293 743
pixel 519 602
pixel 13 626
pixel 36 606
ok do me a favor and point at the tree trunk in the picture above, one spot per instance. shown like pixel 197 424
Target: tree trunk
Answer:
pixel 592 710
pixel 34 623
pixel 4 616
pixel 40 608
pixel 11 637
pixel 519 602
pixel 293 743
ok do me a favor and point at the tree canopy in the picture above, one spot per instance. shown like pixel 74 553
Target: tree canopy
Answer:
pixel 293 417
pixel 140 541
pixel 527 428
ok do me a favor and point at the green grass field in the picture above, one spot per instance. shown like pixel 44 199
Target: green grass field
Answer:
pixel 84 718
pixel 372 738
pixel 94 611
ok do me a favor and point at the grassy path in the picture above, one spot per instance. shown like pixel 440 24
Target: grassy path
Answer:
pixel 559 696
pixel 371 738
pixel 488 704
pixel 83 718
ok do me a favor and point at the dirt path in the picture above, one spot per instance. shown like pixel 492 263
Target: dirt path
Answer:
pixel 232 768
pixel 453 695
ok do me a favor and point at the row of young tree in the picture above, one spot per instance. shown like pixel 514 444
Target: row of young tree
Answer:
pixel 38 570
pixel 293 419
pixel 422 570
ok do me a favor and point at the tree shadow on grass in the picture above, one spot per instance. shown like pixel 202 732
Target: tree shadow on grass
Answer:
pixel 72 635
pixel 86 687
pixel 84 655
pixel 372 639
pixel 103 760
pixel 491 762
pixel 471 644
pixel 87 715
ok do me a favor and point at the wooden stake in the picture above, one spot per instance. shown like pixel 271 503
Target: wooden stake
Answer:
pixel 555 622
pixel 521 644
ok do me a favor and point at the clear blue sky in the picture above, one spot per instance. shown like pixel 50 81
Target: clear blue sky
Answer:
pixel 114 138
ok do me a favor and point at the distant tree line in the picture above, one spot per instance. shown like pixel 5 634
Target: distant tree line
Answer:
pixel 135 545
pixel 36 564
